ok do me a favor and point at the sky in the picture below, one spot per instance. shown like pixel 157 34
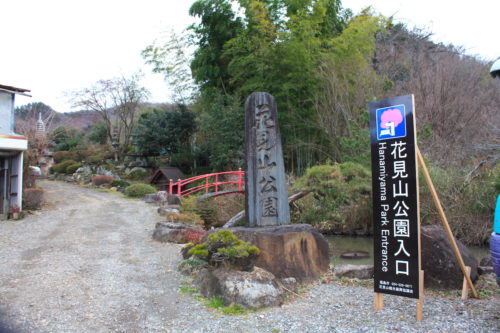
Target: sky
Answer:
pixel 53 47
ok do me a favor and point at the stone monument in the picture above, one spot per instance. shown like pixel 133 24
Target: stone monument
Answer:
pixel 287 250
pixel 266 188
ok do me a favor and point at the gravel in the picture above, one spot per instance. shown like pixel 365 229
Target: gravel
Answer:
pixel 88 264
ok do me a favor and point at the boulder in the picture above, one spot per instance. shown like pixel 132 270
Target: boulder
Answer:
pixel 295 250
pixel 177 233
pixel 141 169
pixel 150 198
pixel 441 268
pixel 168 210
pixel 486 261
pixel 362 272
pixel 83 175
pixel 103 171
pixel 252 290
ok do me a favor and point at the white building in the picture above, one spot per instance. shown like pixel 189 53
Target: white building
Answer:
pixel 12 146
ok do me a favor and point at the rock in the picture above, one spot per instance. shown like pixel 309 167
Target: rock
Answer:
pixel 207 283
pixel 149 198
pixel 290 284
pixel 177 233
pixel 185 251
pixel 295 250
pixel 362 272
pixel 252 290
pixel 168 210
pixel 192 266
pixel 141 169
pixel 441 268
pixel 486 261
pixel 102 171
pixel 482 270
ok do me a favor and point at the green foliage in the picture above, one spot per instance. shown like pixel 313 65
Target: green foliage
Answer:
pixel 214 302
pixel 218 303
pixel 139 190
pixel 340 201
pixel 98 133
pixel 62 155
pixel 218 25
pixel 468 199
pixel 119 183
pixel 225 248
pixel 62 167
pixel 73 167
pixel 186 289
pixel 67 138
pixel 163 132
pixel 221 129
pixel 138 175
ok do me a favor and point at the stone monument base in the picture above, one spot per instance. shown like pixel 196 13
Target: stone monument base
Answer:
pixel 294 250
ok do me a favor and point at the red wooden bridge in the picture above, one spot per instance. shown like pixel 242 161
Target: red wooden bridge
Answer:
pixel 213 184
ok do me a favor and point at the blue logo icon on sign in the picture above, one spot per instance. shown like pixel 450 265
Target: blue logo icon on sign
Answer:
pixel 391 122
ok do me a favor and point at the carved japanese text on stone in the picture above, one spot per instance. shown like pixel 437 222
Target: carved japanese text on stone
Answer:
pixel 266 189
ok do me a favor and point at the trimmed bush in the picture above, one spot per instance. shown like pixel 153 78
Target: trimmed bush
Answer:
pixel 61 167
pixel 73 167
pixel 119 183
pixel 101 179
pixel 60 156
pixel 139 190
pixel 32 198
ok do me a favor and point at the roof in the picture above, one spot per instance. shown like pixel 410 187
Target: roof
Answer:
pixel 167 172
pixel 14 90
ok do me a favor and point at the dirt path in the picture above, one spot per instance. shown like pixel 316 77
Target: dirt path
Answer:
pixel 87 265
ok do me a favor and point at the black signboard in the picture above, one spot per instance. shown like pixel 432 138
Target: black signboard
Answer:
pixel 396 224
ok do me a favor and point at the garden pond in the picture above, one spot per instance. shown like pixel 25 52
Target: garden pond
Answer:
pixel 340 245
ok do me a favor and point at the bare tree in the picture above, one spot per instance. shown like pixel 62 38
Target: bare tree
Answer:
pixel 457 103
pixel 117 101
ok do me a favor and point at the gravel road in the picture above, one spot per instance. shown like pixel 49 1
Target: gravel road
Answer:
pixel 88 264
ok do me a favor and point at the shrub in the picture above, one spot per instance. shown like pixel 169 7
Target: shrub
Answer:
pixel 214 212
pixel 225 248
pixel 340 200
pixel 73 167
pixel 468 199
pixel 61 167
pixel 32 198
pixel 138 175
pixel 139 190
pixel 101 179
pixel 186 218
pixel 119 183
pixel 63 155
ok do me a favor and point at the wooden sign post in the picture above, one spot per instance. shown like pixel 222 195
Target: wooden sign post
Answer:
pixel 396 228
pixel 396 209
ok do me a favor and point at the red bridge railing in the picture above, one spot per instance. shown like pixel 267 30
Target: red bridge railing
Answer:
pixel 212 183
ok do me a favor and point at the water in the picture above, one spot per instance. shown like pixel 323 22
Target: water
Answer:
pixel 341 244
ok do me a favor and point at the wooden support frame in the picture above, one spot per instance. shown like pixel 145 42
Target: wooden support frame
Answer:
pixel 444 222
pixel 378 301
pixel 420 300
pixel 465 286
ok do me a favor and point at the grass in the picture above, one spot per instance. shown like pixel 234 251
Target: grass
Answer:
pixel 218 304
pixel 186 289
